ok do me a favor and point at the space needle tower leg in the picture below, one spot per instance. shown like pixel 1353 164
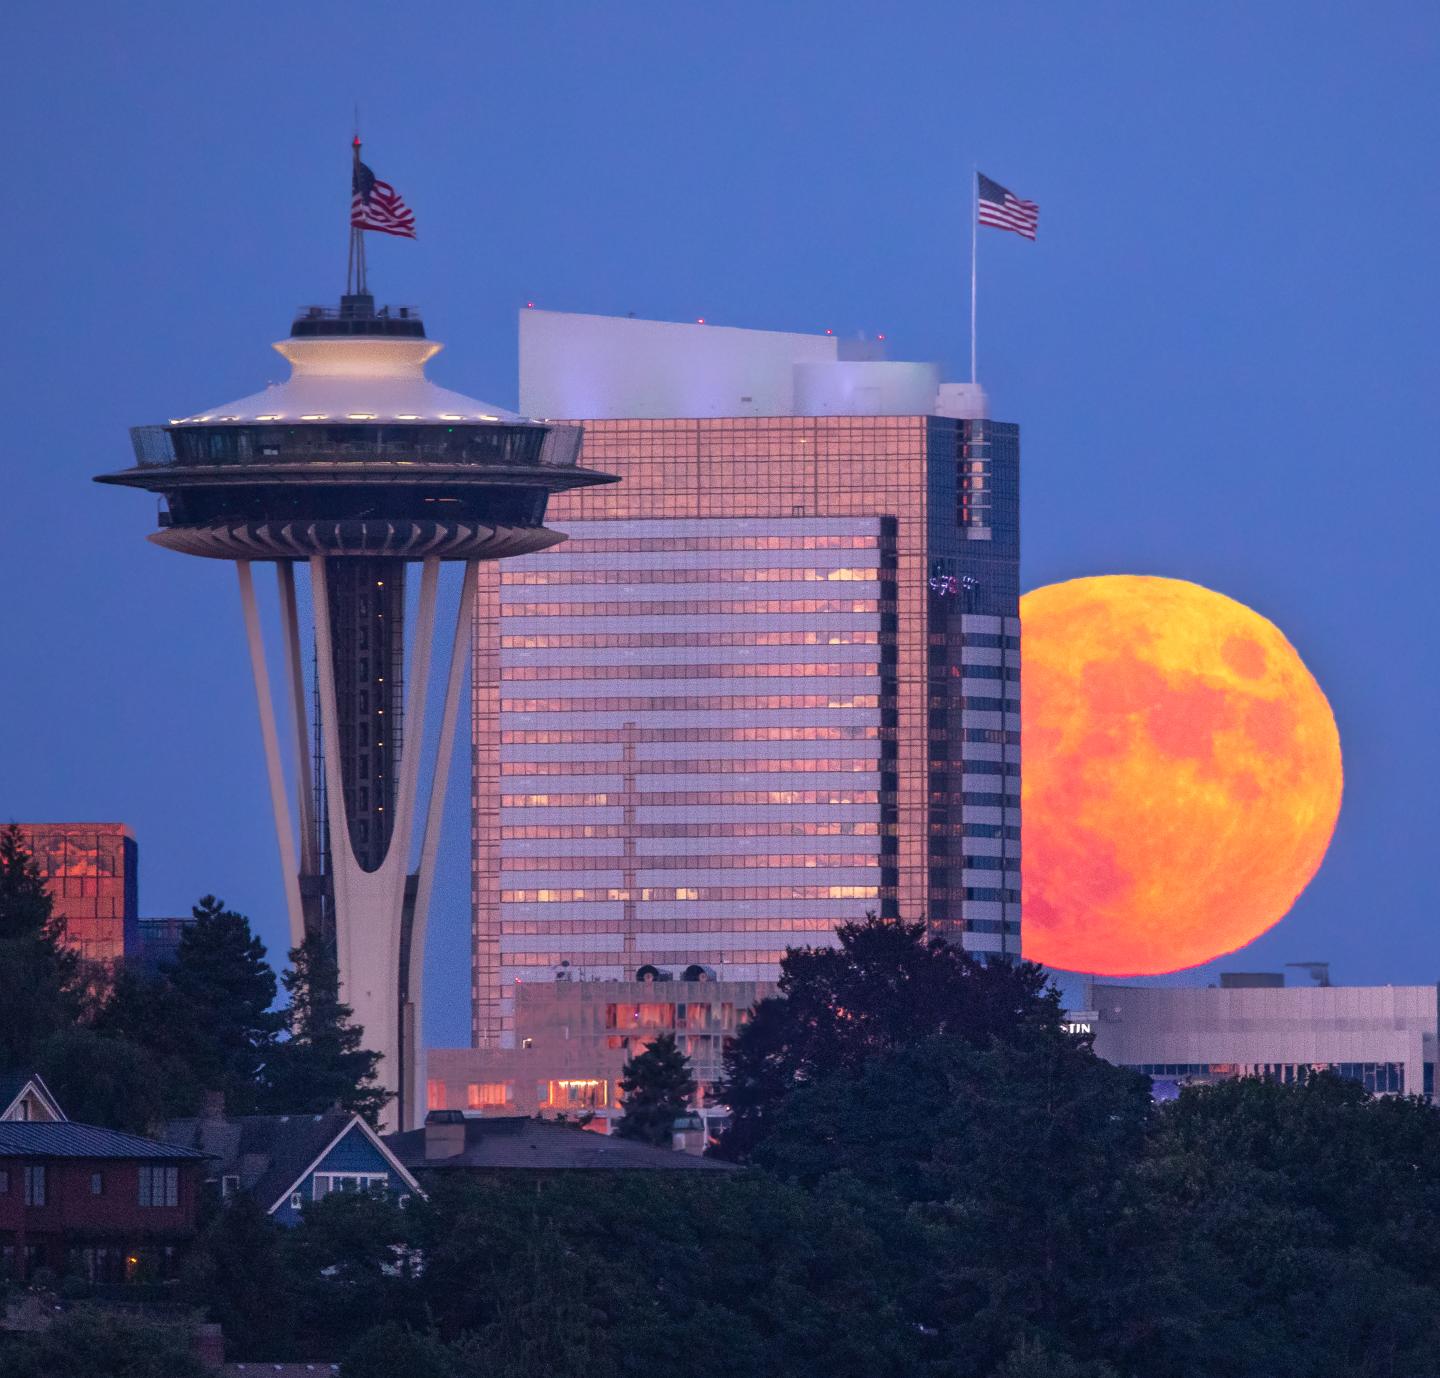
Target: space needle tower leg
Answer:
pixel 279 799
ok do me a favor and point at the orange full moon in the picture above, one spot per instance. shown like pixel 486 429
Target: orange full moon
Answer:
pixel 1181 777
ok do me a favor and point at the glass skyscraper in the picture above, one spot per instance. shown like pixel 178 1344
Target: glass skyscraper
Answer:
pixel 90 870
pixel 770 683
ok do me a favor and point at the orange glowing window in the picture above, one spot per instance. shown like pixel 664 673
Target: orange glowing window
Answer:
pixel 484 1095
pixel 435 1095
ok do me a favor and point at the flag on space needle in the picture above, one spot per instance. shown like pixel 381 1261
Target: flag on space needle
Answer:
pixel 376 205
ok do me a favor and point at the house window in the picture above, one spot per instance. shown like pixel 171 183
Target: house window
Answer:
pixel 435 1094
pixel 159 1186
pixel 4 1181
pixel 97 1184
pixel 296 1200
pixel 327 1182
pixel 35 1185
pixel 482 1095
pixel 229 1185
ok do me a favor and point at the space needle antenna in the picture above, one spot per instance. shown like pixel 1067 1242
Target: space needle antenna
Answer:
pixel 355 277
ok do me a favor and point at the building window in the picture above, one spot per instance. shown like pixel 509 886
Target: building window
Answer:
pixel 485 1095
pixel 97 1184
pixel 581 1094
pixel 229 1186
pixel 35 1185
pixel 4 1181
pixel 327 1182
pixel 159 1186
pixel 296 1200
pixel 435 1095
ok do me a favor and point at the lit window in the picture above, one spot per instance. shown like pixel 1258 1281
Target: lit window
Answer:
pixel 486 1094
pixel 327 1182
pixel 35 1186
pixel 435 1095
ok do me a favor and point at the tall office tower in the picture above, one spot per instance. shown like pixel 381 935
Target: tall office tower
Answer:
pixel 772 680
pixel 90 870
pixel 358 467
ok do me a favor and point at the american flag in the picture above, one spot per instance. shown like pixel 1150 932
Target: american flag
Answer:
pixel 376 205
pixel 1005 210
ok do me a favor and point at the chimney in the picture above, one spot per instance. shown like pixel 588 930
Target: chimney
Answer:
pixel 444 1135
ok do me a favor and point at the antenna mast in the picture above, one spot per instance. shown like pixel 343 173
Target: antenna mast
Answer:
pixel 355 284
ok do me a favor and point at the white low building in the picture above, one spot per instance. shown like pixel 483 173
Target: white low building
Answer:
pixel 1382 1036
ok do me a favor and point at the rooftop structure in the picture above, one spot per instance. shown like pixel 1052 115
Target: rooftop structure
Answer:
pixel 25 1097
pixel 1385 1037
pixel 574 1037
pixel 452 1141
pixel 358 466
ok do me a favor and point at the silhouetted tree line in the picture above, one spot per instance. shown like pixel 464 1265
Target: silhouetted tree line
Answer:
pixel 143 1047
pixel 936 1179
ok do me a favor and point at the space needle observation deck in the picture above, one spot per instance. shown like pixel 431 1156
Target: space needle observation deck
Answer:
pixel 358 466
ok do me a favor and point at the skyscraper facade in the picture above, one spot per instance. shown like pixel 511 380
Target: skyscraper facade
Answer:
pixel 770 683
pixel 90 870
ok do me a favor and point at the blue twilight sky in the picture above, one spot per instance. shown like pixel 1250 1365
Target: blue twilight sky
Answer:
pixel 1221 350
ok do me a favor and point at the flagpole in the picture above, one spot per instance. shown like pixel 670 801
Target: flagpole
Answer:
pixel 355 267
pixel 974 244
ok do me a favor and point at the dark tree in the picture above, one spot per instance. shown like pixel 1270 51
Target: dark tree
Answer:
pixel 104 1078
pixel 86 1343
pixel 655 1088
pixel 39 986
pixel 1027 1149
pixel 321 1064
pixel 143 1011
pixel 391 1349
pixel 238 1271
pixel 207 1017
pixel 886 986
pixel 224 991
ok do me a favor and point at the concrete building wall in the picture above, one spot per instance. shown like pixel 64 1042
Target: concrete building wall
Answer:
pixel 1210 1033
pixel 573 1038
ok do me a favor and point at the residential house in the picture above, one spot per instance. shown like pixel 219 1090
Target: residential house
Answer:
pixel 452 1141
pixel 285 1161
pixel 107 1206
pixel 24 1096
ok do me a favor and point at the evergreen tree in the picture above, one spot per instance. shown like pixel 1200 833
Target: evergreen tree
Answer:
pixel 39 989
pixel 321 1064
pixel 206 1018
pixel 656 1088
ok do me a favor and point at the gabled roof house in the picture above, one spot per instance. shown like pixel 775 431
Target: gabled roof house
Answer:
pixel 285 1161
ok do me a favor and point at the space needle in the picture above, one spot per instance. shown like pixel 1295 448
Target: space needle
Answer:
pixel 357 468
